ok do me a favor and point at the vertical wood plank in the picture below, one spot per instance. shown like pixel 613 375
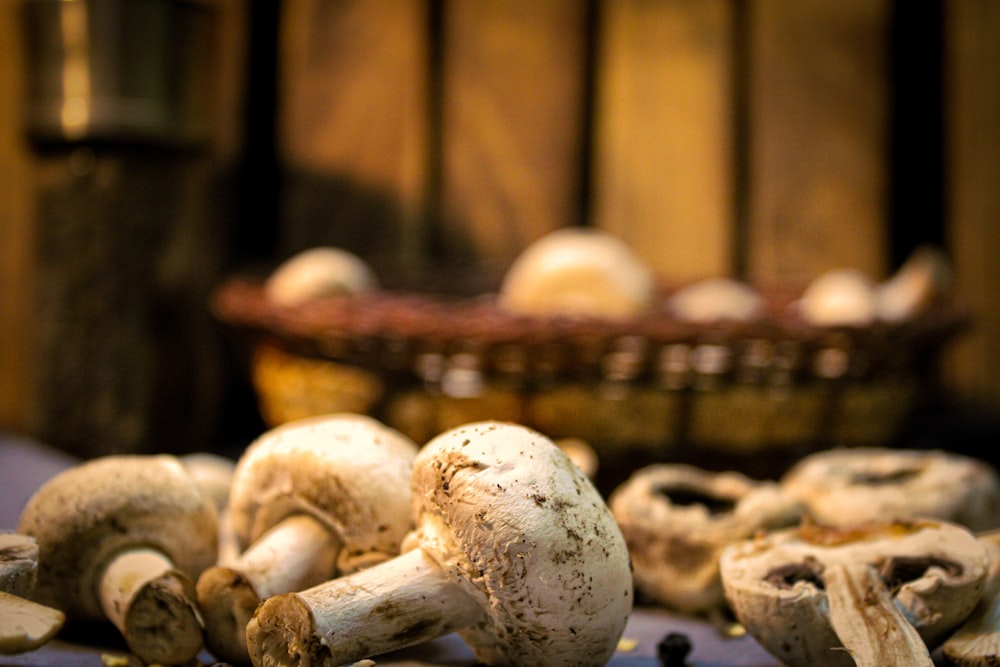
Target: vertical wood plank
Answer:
pixel 512 123
pixel 664 147
pixel 16 241
pixel 353 124
pixel 819 95
pixel 973 159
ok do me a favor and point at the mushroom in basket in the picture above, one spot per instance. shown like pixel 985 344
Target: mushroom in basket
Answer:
pixel 875 595
pixel 122 538
pixel 514 549
pixel 310 500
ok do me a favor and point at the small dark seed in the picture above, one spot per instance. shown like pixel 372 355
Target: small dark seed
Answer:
pixel 673 650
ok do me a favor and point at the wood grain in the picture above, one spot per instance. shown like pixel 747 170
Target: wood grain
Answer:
pixel 511 125
pixel 664 160
pixel 352 126
pixel 17 274
pixel 818 179
pixel 973 158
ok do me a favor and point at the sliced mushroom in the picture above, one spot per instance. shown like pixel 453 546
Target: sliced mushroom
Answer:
pixel 310 500
pixel 514 549
pixel 847 486
pixel 317 272
pixel 977 642
pixel 871 595
pixel 676 520
pixel 578 271
pixel 121 538
pixel 25 625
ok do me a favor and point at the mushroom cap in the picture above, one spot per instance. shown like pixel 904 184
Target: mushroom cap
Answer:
pixel 87 514
pixel 844 486
pixel 923 278
pixel 317 272
pixel 839 297
pixel 578 271
pixel 934 570
pixel 676 520
pixel 349 471
pixel 717 299
pixel 521 529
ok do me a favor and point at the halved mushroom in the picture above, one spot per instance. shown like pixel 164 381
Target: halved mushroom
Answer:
pixel 121 538
pixel 24 625
pixel 977 642
pixel 514 549
pixel 846 486
pixel 872 595
pixel 677 519
pixel 310 500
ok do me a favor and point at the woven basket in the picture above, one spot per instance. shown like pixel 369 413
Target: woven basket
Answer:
pixel 750 396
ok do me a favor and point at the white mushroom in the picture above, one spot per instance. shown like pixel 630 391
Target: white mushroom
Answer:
pixel 849 485
pixel 923 278
pixel 578 271
pixel 716 300
pixel 214 474
pixel 870 596
pixel 122 538
pixel 977 642
pixel 840 297
pixel 310 500
pixel 318 272
pixel 24 625
pixel 677 519
pixel 514 549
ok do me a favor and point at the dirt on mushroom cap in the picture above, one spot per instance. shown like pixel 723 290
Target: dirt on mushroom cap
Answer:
pixel 532 539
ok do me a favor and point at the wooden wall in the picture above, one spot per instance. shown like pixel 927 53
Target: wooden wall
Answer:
pixel 758 139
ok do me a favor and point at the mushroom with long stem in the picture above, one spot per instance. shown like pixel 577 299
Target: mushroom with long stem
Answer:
pixel 977 642
pixel 25 625
pixel 870 596
pixel 122 538
pixel 514 549
pixel 678 518
pixel 310 500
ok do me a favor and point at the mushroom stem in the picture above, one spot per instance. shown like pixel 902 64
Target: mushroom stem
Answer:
pixel 977 642
pixel 296 553
pixel 401 602
pixel 866 620
pixel 136 588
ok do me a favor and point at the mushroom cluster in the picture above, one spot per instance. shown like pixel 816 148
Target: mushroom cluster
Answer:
pixel 513 548
pixel 310 500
